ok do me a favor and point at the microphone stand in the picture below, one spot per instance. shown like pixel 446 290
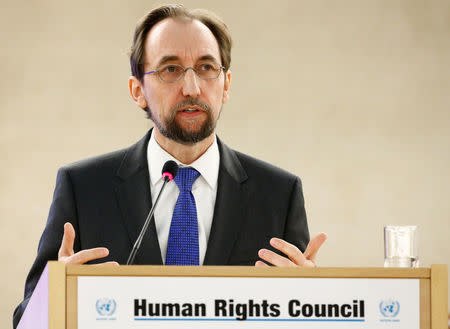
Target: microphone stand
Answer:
pixel 137 244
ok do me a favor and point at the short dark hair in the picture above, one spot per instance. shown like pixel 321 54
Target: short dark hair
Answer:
pixel 211 20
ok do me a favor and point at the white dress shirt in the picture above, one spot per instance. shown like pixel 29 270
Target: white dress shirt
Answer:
pixel 204 190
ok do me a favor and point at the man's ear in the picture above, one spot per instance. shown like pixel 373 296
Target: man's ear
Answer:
pixel 226 87
pixel 137 92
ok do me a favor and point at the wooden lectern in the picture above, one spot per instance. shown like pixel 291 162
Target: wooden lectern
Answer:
pixel 59 300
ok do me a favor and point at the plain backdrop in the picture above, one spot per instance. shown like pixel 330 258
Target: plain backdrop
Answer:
pixel 352 96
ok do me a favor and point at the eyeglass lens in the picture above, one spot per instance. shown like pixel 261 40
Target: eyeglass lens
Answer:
pixel 173 72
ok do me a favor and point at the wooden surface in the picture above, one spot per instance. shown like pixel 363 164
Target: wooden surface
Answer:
pixel 439 297
pixel 72 302
pixel 56 295
pixel 425 304
pixel 249 271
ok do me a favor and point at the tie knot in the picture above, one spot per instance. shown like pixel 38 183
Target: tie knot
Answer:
pixel 185 178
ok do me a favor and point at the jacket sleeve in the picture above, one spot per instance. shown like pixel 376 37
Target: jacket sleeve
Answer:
pixel 62 210
pixel 296 229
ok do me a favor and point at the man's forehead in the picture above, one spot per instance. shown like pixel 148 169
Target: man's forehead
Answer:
pixel 182 54
pixel 189 40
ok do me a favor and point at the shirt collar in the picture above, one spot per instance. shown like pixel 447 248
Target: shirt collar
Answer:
pixel 207 164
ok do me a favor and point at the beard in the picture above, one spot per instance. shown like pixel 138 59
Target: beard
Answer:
pixel 171 129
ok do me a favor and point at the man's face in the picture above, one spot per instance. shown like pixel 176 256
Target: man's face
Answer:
pixel 185 110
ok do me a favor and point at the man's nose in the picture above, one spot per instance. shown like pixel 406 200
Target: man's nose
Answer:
pixel 190 83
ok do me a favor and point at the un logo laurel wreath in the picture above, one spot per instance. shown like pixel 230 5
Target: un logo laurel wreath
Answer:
pixel 105 306
pixel 389 308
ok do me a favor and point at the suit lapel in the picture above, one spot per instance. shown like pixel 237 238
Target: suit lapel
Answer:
pixel 135 201
pixel 229 210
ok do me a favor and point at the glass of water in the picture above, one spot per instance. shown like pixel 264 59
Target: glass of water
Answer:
pixel 400 246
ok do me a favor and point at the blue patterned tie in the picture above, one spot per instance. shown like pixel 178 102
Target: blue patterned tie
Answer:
pixel 182 246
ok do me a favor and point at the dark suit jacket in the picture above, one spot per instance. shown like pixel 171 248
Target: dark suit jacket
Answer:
pixel 107 199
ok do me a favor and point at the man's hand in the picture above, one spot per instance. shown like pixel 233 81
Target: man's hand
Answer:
pixel 294 256
pixel 67 255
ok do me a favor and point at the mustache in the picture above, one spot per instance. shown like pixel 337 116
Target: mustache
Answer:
pixel 190 102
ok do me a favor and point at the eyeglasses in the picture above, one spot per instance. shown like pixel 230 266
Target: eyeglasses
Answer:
pixel 174 72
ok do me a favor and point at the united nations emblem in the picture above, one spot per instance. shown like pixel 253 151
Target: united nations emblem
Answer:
pixel 105 306
pixel 389 308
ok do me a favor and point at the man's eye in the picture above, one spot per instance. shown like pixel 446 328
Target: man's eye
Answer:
pixel 206 67
pixel 169 69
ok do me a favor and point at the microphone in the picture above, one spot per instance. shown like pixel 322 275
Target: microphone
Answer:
pixel 169 171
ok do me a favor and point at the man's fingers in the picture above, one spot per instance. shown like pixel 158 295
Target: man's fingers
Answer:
pixel 295 256
pixel 66 248
pixel 87 255
pixel 314 245
pixel 66 253
pixel 258 263
pixel 289 250
pixel 274 259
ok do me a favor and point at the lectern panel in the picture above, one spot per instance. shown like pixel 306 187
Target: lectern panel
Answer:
pixel 247 302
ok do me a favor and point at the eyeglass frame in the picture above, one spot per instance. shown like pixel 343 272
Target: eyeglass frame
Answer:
pixel 221 68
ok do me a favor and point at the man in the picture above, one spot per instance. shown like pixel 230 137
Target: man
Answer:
pixel 180 62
